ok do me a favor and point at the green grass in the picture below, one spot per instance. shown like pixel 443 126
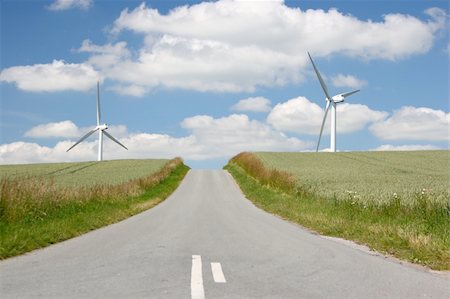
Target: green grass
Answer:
pixel 368 176
pixel 36 212
pixel 418 231
pixel 85 173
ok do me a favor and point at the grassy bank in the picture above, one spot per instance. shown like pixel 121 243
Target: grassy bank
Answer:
pixel 418 231
pixel 36 211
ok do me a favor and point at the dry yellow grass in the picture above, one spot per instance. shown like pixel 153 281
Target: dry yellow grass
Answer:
pixel 272 177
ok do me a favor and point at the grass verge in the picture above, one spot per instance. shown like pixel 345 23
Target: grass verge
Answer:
pixel 419 233
pixel 35 213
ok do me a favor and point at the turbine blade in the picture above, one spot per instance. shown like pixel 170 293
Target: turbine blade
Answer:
pixel 98 104
pixel 114 139
pixel 323 123
pixel 322 83
pixel 349 93
pixel 82 138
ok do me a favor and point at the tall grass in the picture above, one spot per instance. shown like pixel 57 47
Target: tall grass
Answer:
pixel 36 212
pixel 418 231
pixel 281 180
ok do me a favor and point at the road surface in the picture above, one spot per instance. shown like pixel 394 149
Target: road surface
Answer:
pixel 208 241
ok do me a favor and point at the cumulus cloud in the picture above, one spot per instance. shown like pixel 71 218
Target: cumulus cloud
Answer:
pixel 27 152
pixel 237 46
pixel 409 147
pixel 272 24
pixel 254 104
pixel 208 138
pixel 67 129
pixel 68 4
pixel 230 135
pixel 105 56
pixel 55 76
pixel 412 123
pixel 130 90
pixel 55 129
pixel 206 65
pixel 348 81
pixel 300 115
pixel 233 46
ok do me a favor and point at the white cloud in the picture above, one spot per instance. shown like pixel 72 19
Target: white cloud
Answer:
pixel 255 104
pixel 130 90
pixel 208 138
pixel 236 133
pixel 300 115
pixel 411 123
pixel 68 4
pixel 67 129
pixel 232 46
pixel 206 65
pixel 409 147
pixel 56 129
pixel 272 24
pixel 296 115
pixel 348 81
pixel 55 76
pixel 105 56
pixel 25 152
pixel 354 117
pixel 237 46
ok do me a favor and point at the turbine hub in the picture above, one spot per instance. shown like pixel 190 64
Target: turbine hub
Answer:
pixel 102 127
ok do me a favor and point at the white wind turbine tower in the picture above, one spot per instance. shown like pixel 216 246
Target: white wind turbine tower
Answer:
pixel 101 130
pixel 331 102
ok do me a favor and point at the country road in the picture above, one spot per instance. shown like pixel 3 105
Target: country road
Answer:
pixel 208 241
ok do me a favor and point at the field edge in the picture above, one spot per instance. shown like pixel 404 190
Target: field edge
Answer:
pixel 275 192
pixel 74 220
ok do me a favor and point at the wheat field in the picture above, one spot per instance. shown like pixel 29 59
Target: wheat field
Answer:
pixel 368 176
pixel 85 173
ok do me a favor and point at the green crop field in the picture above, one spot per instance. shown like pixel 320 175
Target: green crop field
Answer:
pixel 85 173
pixel 368 176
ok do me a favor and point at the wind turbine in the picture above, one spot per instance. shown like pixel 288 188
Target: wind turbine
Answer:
pixel 331 102
pixel 101 130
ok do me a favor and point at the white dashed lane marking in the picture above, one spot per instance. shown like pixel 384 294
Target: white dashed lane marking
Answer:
pixel 217 272
pixel 197 290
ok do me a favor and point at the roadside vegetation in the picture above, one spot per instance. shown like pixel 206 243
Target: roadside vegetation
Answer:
pixel 42 207
pixel 395 203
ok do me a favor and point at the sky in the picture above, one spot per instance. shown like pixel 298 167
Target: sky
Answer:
pixel 207 80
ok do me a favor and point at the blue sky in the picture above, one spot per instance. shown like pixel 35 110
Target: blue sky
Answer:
pixel 206 80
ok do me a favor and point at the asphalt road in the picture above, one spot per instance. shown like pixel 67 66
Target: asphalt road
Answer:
pixel 208 241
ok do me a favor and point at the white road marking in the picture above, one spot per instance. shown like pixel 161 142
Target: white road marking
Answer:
pixel 217 272
pixel 197 290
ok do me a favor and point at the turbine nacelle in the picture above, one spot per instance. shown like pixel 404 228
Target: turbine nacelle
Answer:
pixel 338 98
pixel 102 127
